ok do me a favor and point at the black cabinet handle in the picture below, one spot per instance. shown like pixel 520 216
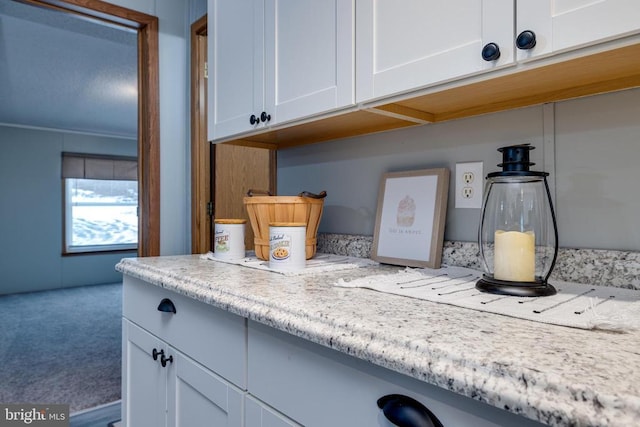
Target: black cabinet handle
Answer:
pixel 526 40
pixel 490 52
pixel 404 411
pixel 164 360
pixel 265 117
pixel 254 120
pixel 155 353
pixel 166 305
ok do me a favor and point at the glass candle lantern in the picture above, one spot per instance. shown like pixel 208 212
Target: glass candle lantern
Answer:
pixel 518 236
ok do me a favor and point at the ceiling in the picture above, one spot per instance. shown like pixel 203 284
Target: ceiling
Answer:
pixel 59 71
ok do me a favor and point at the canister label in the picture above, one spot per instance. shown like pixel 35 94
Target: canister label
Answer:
pixel 228 240
pixel 222 241
pixel 280 245
pixel 287 247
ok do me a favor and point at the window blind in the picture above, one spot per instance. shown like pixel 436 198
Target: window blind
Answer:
pixel 95 166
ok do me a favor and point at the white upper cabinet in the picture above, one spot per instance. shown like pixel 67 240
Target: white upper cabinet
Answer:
pixel 274 61
pixel 235 54
pixel 309 57
pixel 566 24
pixel 408 44
pixel 280 62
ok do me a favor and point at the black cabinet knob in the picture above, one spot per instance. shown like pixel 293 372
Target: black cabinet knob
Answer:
pixel 254 120
pixel 265 117
pixel 155 353
pixel 526 40
pixel 164 360
pixel 490 52
pixel 404 411
pixel 167 306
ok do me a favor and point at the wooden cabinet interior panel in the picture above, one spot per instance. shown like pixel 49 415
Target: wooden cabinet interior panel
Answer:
pixel 238 169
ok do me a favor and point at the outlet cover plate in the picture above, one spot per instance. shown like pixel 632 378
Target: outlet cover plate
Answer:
pixel 469 185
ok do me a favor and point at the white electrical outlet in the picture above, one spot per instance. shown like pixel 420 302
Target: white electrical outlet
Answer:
pixel 469 185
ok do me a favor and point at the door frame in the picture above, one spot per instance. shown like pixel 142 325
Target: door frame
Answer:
pixel 200 148
pixel 148 106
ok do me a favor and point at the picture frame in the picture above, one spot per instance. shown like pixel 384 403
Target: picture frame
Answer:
pixel 410 218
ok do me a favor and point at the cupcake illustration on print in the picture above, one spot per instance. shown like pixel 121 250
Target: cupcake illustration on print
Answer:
pixel 406 212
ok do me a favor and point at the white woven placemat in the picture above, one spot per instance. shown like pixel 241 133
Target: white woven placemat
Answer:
pixel 575 305
pixel 318 264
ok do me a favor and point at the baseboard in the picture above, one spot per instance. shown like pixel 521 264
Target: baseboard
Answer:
pixel 95 408
pixel 108 414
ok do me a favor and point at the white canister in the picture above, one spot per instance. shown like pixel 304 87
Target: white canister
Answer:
pixel 229 238
pixel 287 246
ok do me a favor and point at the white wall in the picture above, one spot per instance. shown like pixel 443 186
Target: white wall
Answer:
pixel 31 211
pixel 593 144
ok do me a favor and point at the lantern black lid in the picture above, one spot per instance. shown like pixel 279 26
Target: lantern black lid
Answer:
pixel 515 161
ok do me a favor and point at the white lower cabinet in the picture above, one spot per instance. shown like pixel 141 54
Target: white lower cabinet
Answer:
pixel 183 361
pixel 144 379
pixel 317 387
pixel 257 414
pixel 189 364
pixel 198 397
pixel 166 388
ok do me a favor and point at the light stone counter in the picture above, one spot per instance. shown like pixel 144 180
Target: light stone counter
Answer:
pixel 557 375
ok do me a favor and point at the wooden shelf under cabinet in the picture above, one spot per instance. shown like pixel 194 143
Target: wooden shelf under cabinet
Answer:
pixel 558 78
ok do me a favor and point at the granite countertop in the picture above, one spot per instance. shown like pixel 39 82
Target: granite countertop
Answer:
pixel 556 375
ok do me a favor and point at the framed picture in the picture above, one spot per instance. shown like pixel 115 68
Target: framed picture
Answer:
pixel 412 207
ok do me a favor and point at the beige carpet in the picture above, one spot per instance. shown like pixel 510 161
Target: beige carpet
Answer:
pixel 62 346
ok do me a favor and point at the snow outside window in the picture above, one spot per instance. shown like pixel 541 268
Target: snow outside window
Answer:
pixel 100 215
pixel 100 202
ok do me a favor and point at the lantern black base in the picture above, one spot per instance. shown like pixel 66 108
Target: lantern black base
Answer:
pixel 519 289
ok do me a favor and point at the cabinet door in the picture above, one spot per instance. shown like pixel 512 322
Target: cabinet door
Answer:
pixel 566 24
pixel 309 57
pixel 235 51
pixel 144 385
pixel 404 45
pixel 198 397
pixel 218 341
pixel 259 415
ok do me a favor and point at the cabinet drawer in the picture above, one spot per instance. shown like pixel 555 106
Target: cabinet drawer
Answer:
pixel 213 337
pixel 318 386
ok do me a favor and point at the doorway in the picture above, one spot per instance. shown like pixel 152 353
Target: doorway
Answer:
pixel 148 106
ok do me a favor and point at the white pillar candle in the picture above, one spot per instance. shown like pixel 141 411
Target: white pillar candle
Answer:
pixel 515 258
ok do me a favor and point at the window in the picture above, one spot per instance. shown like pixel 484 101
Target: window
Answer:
pixel 100 203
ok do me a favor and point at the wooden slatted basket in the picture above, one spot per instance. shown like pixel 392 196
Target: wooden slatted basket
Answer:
pixel 263 210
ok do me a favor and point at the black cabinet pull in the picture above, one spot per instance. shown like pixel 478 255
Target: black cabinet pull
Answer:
pixel 164 360
pixel 265 117
pixel 254 120
pixel 526 40
pixel 166 305
pixel 404 411
pixel 490 52
pixel 155 353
